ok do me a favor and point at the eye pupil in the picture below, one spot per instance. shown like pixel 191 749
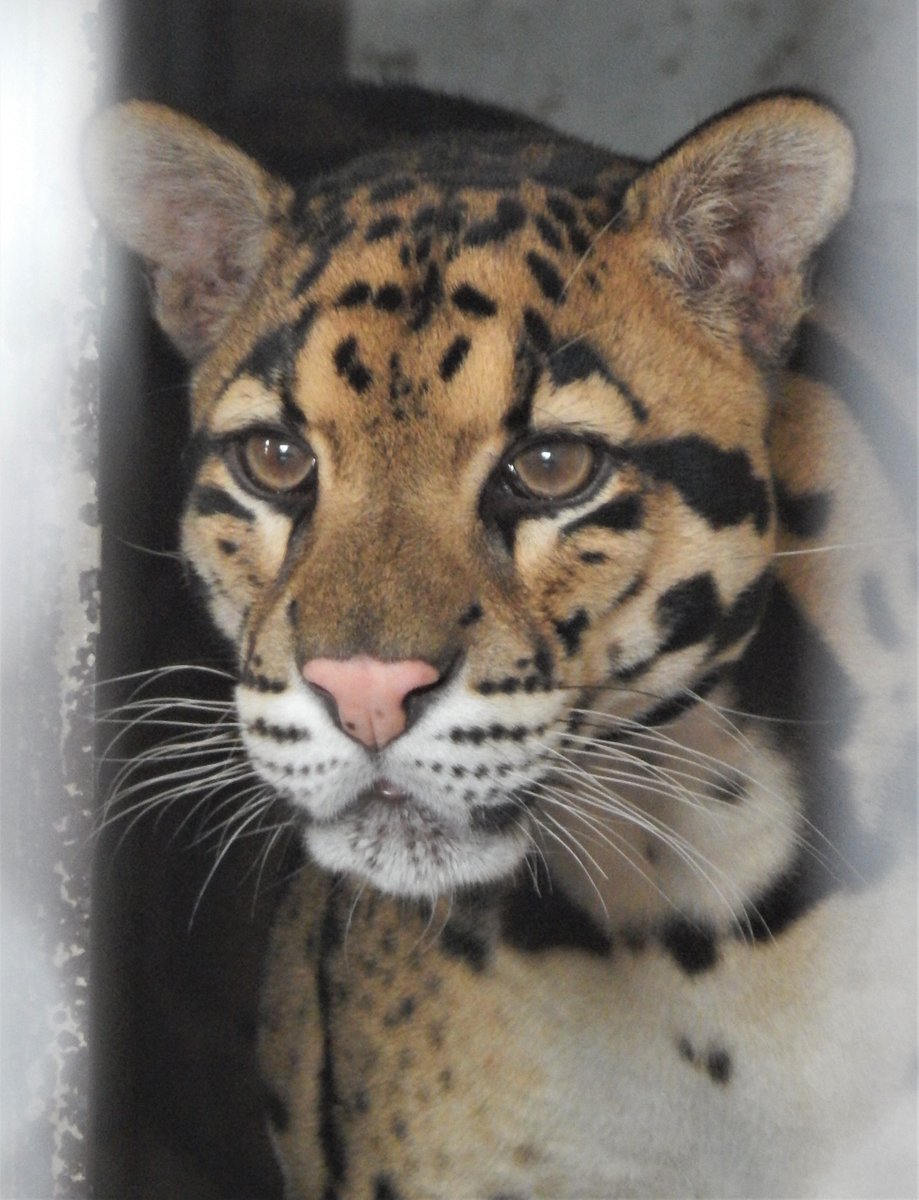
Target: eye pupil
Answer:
pixel 276 463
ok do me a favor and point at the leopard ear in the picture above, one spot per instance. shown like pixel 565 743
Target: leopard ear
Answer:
pixel 732 214
pixel 197 209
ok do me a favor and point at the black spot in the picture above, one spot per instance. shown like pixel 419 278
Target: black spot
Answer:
pixel 454 358
pixel 392 189
pixel 546 276
pixel 277 1112
pixel 804 515
pixel 570 630
pixel 686 1051
pixel 354 295
pixel 744 613
pixel 537 917
pixel 388 297
pixel 425 298
pixel 537 330
pixel 400 1012
pixel 593 558
pixel 688 612
pixel 882 624
pixel 349 366
pixel 210 501
pixel 510 215
pixel 470 300
pixel 226 547
pixel 383 227
pixel 383 1189
pixel 692 947
pixel 718 1064
pixel 314 272
pixel 495 818
pixel 457 941
pixel 621 514
pixel 717 484
pixel 549 233
pixel 472 614
pixel 559 207
pixel 527 372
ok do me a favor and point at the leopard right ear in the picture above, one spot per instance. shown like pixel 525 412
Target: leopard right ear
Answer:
pixel 201 213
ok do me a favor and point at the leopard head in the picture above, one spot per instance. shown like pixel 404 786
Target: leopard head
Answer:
pixel 480 428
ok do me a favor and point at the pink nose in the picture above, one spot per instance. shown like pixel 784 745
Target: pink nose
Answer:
pixel 370 694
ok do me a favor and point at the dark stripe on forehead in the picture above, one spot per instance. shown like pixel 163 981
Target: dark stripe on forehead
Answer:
pixel 349 366
pixel 547 277
pixel 470 300
pixel 578 360
pixel 510 215
pixel 717 484
pixel 453 358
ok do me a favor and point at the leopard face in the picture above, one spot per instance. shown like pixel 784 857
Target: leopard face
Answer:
pixel 482 462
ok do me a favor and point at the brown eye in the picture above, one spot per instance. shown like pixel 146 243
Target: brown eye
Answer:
pixel 274 462
pixel 555 469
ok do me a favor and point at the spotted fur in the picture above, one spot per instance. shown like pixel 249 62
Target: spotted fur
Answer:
pixel 636 925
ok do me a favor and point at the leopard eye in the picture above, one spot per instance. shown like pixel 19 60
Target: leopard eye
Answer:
pixel 276 462
pixel 553 469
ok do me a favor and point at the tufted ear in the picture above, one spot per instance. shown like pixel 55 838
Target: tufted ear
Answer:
pixel 196 208
pixel 733 213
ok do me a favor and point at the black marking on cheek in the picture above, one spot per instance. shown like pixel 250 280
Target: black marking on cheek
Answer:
pixel 473 302
pixel 688 612
pixel 670 710
pixel 564 212
pixel 349 366
pixel 693 948
pixel 717 484
pixel 210 501
pixel 538 917
pixel 454 358
pixel 622 514
pixel 472 614
pixel 745 612
pixel 546 276
pixel 571 629
pixel 383 227
pixel 804 515
pixel 226 547
pixel 882 625
pixel 510 215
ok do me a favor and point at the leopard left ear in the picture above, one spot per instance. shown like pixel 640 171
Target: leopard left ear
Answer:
pixel 732 214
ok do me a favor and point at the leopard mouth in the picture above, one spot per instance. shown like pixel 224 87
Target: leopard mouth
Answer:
pixel 399 843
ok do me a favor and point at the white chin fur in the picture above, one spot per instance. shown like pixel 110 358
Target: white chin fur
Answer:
pixel 416 857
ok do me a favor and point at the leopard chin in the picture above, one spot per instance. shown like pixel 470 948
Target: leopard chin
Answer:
pixel 398 843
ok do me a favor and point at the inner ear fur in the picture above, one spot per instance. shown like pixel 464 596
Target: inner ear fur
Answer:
pixel 198 210
pixel 734 212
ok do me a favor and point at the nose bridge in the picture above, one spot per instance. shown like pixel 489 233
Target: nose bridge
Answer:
pixel 387 585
